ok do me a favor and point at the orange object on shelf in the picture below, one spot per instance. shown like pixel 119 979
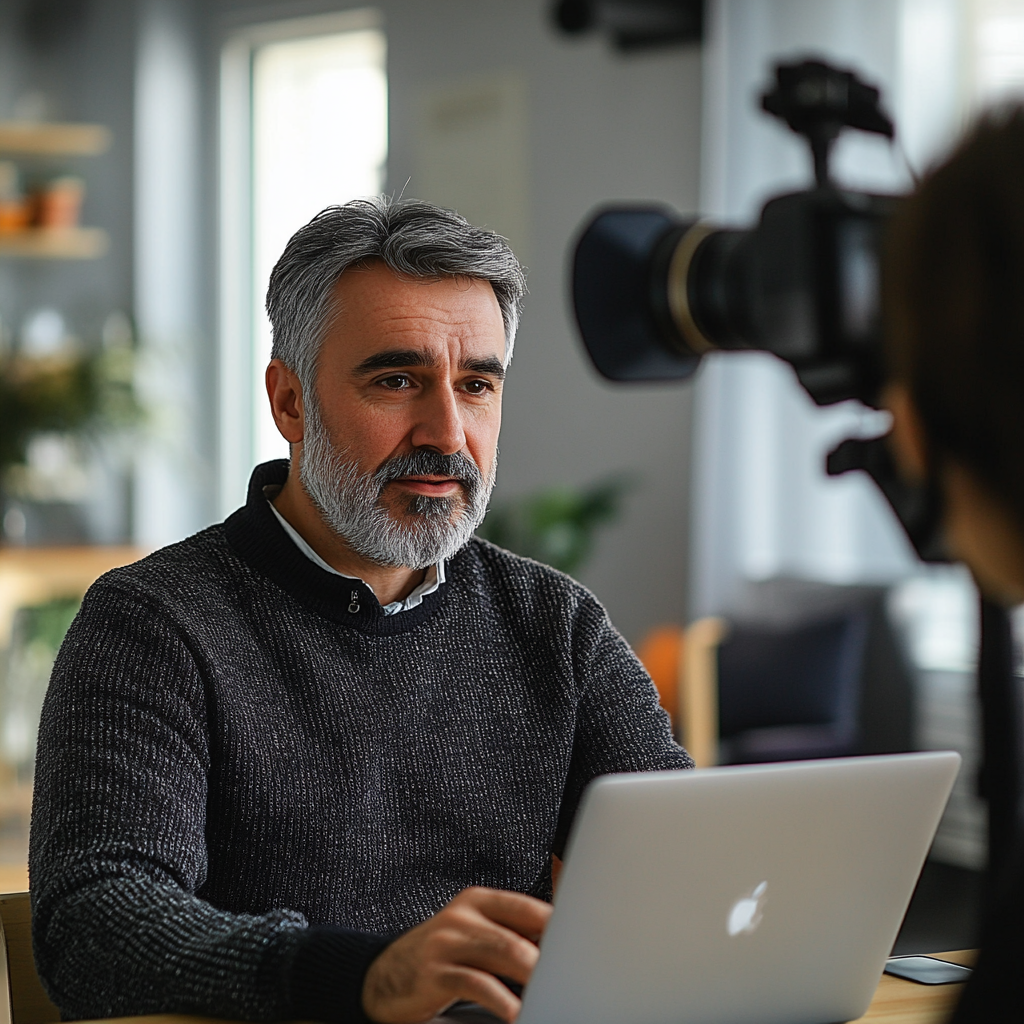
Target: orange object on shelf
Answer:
pixel 14 215
pixel 15 210
pixel 59 202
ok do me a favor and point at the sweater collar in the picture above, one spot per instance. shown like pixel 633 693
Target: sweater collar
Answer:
pixel 432 579
pixel 258 538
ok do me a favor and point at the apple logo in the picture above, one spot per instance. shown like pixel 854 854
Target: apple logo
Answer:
pixel 746 912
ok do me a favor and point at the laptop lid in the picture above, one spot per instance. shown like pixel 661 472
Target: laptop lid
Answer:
pixel 760 893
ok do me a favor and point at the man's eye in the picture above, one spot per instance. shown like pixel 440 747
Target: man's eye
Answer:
pixel 396 382
pixel 477 387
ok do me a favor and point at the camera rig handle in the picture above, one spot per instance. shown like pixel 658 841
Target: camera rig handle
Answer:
pixel 818 101
pixel 918 507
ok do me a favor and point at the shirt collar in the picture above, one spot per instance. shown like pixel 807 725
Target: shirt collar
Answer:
pixel 431 581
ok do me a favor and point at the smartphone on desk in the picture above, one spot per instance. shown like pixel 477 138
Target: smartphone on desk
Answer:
pixel 926 970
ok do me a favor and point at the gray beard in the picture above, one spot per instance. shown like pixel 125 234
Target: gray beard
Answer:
pixel 350 501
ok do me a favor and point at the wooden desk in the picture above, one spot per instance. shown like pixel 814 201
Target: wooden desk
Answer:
pixel 896 1002
pixel 33 575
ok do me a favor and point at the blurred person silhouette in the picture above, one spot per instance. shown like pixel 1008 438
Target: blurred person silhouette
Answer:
pixel 954 285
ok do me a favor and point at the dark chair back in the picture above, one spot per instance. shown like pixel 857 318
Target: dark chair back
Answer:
pixel 788 694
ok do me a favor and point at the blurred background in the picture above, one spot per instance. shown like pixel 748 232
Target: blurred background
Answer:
pixel 155 155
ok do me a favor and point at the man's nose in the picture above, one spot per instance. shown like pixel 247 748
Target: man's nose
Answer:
pixel 439 425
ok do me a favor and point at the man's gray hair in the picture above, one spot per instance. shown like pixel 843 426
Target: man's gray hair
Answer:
pixel 409 236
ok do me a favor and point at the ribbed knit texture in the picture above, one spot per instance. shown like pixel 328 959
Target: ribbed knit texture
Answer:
pixel 237 745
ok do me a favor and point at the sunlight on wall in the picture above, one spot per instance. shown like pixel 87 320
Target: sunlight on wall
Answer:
pixel 998 50
pixel 319 110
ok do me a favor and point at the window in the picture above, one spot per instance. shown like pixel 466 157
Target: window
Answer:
pixel 998 57
pixel 314 93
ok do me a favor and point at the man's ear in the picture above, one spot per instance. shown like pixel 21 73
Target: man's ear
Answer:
pixel 285 394
pixel 908 439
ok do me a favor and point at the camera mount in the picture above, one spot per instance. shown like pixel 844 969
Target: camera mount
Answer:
pixel 818 101
pixel 633 25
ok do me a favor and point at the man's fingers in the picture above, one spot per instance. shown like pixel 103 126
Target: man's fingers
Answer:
pixel 523 914
pixel 487 946
pixel 460 953
pixel 485 989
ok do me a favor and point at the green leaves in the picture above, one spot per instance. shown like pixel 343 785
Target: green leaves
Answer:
pixel 557 525
pixel 47 623
pixel 63 394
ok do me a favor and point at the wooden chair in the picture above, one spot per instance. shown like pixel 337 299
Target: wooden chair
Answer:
pixel 794 692
pixel 698 689
pixel 684 666
pixel 748 694
pixel 26 1002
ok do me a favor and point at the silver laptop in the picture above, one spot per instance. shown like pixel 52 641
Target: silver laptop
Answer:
pixel 760 894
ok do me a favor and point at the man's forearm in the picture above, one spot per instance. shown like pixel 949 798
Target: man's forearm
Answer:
pixel 127 944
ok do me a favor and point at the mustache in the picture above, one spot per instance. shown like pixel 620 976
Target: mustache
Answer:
pixel 426 463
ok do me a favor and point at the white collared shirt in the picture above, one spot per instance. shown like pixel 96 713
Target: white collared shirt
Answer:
pixel 431 581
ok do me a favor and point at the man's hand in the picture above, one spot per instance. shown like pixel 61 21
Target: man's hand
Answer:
pixel 456 954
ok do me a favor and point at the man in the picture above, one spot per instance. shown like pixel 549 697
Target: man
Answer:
pixel 315 762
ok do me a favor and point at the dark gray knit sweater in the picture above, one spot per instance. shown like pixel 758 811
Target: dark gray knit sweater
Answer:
pixel 244 785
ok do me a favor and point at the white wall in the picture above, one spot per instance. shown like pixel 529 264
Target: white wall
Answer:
pixel 174 474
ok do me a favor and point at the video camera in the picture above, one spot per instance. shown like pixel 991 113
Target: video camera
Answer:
pixel 653 293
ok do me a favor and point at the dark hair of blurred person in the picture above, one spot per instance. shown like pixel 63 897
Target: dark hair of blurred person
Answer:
pixel 955 303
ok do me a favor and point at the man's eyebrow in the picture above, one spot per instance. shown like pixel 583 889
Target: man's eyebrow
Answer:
pixel 400 358
pixel 490 365
pixel 394 360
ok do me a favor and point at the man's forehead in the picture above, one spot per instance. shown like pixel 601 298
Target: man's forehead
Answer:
pixel 376 308
pixel 377 288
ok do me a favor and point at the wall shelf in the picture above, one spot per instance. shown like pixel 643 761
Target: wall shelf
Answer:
pixel 54 243
pixel 53 139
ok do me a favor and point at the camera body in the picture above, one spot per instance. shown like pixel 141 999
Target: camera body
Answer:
pixel 653 293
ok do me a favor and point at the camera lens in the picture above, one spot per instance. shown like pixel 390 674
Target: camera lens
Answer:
pixel 707 287
pixel 618 283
